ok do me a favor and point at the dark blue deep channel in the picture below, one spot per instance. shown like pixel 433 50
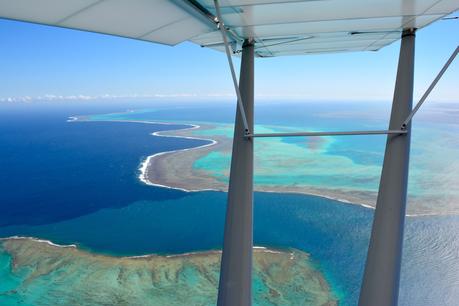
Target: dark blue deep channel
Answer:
pixel 77 183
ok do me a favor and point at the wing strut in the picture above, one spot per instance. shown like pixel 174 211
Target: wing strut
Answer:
pixel 338 133
pixel 222 28
pixel 381 278
pixel 235 285
pixel 431 87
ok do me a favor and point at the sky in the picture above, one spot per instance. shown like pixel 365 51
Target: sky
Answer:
pixel 41 61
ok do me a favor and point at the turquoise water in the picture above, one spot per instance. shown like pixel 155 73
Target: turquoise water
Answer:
pixel 9 280
pixel 335 234
pixel 102 207
pixel 57 276
pixel 338 165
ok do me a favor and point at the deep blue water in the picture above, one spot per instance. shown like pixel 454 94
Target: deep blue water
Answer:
pixel 77 183
pixel 54 170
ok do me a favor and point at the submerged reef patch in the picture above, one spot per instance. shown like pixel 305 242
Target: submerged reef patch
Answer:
pixel 36 272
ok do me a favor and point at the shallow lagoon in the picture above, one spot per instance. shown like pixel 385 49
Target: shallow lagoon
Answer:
pixel 44 274
pixel 338 167
pixel 134 219
pixel 335 234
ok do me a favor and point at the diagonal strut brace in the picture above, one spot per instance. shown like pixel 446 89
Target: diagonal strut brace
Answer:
pixel 222 28
pixel 431 87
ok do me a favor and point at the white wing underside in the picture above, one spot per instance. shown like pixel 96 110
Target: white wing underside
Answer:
pixel 279 27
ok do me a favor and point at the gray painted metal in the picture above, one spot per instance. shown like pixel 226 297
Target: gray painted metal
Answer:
pixel 235 287
pixel 431 87
pixel 197 11
pixel 205 15
pixel 240 105
pixel 381 278
pixel 309 134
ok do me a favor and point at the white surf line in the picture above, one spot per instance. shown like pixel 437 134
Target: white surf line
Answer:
pixel 347 202
pixel 74 246
pixel 143 168
pixel 267 250
pixel 48 242
pixel 144 165
pixel 199 253
pixel 344 201
pixel 445 214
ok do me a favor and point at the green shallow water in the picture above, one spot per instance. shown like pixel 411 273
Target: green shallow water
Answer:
pixel 36 276
pixel 346 164
pixel 36 273
pixel 338 167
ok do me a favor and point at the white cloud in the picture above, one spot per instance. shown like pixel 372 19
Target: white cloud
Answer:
pixel 53 97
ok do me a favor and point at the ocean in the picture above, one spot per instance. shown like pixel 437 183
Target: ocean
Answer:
pixel 77 183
